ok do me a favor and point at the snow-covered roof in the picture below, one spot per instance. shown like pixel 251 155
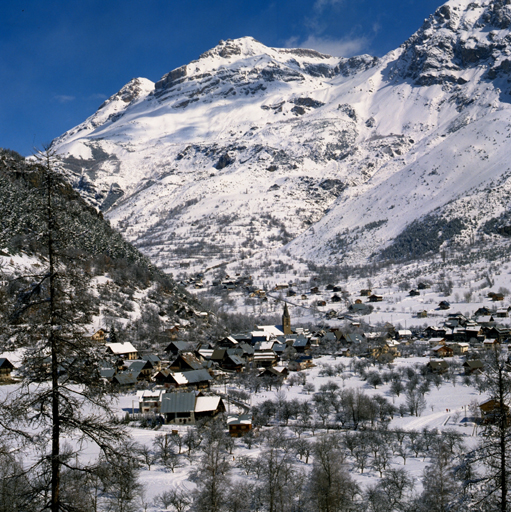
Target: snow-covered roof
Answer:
pixel 274 330
pixel 207 403
pixel 121 348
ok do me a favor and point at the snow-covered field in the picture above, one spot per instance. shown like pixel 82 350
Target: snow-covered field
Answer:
pixel 445 409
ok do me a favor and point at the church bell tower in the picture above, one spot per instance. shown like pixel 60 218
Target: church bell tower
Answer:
pixel 286 321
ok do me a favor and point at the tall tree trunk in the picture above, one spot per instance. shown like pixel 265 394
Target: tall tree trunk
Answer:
pixel 55 440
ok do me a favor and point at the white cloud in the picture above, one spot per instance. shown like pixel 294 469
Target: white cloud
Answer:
pixel 98 96
pixel 346 47
pixel 319 5
pixel 62 98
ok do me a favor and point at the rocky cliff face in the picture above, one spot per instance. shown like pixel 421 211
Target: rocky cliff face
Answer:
pixel 251 153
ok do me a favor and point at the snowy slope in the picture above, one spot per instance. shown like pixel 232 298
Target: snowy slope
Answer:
pixel 251 153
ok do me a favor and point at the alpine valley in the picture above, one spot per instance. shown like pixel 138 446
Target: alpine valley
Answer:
pixel 252 155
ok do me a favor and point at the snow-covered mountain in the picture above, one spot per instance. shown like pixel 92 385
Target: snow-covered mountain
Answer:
pixel 256 154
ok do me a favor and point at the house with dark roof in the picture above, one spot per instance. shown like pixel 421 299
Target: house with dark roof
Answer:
pixel 437 366
pixel 187 408
pixel 175 347
pixel 143 368
pixel 239 424
pixel 473 366
pixel 194 379
pixel 302 344
pixel 185 361
pixel 6 368
pixel 126 379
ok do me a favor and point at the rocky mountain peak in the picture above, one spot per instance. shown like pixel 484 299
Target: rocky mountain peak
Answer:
pixel 135 89
pixel 248 60
pixel 460 37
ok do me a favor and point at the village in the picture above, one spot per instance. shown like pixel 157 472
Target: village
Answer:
pixel 380 393
pixel 175 385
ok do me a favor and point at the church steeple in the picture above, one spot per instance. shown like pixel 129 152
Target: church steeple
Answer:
pixel 286 321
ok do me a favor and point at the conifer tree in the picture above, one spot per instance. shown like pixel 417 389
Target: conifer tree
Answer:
pixel 61 393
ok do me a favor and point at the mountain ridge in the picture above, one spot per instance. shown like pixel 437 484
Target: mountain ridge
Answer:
pixel 252 153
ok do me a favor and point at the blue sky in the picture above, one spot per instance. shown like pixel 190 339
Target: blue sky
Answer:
pixel 62 59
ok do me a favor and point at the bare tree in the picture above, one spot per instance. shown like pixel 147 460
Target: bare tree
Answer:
pixel 331 487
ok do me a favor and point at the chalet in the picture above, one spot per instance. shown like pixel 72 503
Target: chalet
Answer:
pixel 344 352
pixel 496 297
pixel 124 350
pixel 492 411
pixel 438 340
pixel 303 297
pixel 302 344
pixel 414 293
pixel 434 332
pixel 301 362
pixel 264 346
pixel 403 334
pixel 486 321
pixel 329 337
pixel 195 379
pixel 336 298
pixel 242 337
pixel 351 338
pixel 258 336
pixel 422 314
pixel 175 347
pixel 277 330
pixel 502 313
pixel 442 351
pixel 99 336
pixel 143 368
pixel 365 293
pixel 232 363
pixel 321 303
pixel 265 359
pixel 154 360
pixel 375 298
pixel 126 379
pixel 315 290
pixel 149 401
pixel 444 305
pixel 329 287
pixel 6 368
pixel 377 337
pixel 484 311
pixel 281 286
pixel 423 286
pixel 491 344
pixel 473 330
pixel 107 373
pixel 277 372
pixel 473 366
pixel 384 351
pixel 239 425
pixel 227 342
pixel 459 334
pixel 458 347
pixel 497 333
pixel 437 366
pixel 187 408
pixel 280 348
pixel 290 293
pixel 360 309
pixel 185 361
